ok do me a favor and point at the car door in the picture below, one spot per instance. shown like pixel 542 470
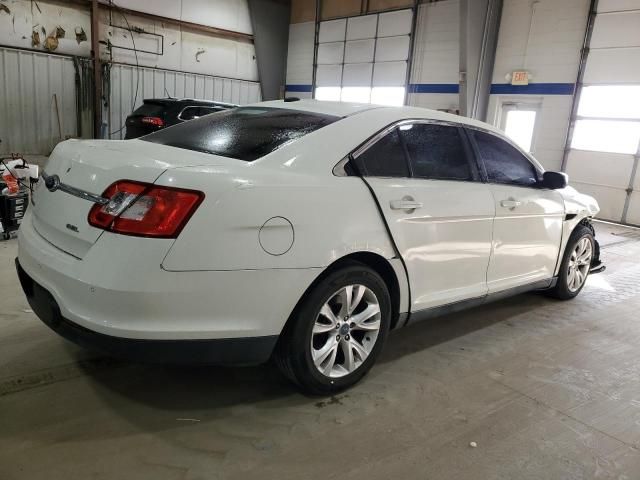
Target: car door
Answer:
pixel 527 229
pixel 438 211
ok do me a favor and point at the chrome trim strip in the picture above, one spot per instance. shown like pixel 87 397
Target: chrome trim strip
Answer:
pixel 53 183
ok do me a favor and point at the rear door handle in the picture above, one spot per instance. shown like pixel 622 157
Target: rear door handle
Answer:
pixel 405 205
pixel 510 203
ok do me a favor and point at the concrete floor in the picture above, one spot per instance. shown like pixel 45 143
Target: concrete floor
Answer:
pixel 547 390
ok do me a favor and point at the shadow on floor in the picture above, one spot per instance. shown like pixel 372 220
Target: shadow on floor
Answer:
pixel 208 389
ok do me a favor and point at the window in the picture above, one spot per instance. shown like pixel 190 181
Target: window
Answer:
pixel 386 158
pixel 389 96
pixel 246 133
pixel 608 119
pixel 328 93
pixel 504 163
pixel 189 113
pixel 436 152
pixel 519 125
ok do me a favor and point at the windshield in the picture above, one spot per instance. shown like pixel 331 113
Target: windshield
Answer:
pixel 245 133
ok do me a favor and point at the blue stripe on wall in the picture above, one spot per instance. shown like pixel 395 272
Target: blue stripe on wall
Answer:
pixel 298 88
pixel 533 89
pixel 434 88
pixel 496 88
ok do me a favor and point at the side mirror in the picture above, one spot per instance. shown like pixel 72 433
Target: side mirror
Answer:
pixel 555 180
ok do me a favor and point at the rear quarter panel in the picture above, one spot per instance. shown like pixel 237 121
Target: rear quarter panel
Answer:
pixel 330 218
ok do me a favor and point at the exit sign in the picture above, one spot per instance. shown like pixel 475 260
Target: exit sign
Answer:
pixel 520 78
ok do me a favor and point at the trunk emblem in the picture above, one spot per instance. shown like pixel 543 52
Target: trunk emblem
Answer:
pixel 73 228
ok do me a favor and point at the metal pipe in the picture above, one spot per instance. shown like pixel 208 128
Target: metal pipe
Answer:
pixel 315 47
pixel 97 70
pixel 584 54
pixel 412 42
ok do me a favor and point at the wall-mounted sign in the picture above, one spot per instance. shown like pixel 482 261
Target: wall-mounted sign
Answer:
pixel 520 78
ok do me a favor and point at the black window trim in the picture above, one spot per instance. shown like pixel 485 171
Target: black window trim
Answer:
pixel 340 169
pixel 480 161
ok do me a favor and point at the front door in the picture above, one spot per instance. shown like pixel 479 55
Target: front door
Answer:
pixel 527 230
pixel 439 213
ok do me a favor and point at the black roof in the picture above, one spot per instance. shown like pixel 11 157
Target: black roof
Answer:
pixel 188 101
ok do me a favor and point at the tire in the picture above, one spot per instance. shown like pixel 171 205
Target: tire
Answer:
pixel 312 331
pixel 565 289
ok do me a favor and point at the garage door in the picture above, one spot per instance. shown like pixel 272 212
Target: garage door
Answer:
pixel 364 58
pixel 605 147
pixel 37 101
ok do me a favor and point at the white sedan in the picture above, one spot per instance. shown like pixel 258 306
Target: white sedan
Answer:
pixel 296 229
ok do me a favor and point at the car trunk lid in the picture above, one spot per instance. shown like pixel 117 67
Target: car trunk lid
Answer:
pixel 91 166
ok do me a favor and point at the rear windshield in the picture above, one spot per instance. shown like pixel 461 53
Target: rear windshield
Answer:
pixel 149 109
pixel 245 133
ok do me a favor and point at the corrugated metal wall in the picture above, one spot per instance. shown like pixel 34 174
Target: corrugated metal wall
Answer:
pixel 150 83
pixel 30 84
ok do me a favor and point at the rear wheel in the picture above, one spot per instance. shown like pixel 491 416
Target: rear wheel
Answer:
pixel 337 331
pixel 576 264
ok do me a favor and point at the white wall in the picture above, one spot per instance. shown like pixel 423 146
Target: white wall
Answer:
pixel 226 14
pixel 551 53
pixel 219 57
pixel 24 17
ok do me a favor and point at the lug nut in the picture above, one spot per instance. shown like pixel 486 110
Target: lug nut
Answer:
pixel 352 324
pixel 347 337
pixel 337 337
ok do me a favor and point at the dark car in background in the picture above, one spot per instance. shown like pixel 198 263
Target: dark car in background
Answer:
pixel 157 113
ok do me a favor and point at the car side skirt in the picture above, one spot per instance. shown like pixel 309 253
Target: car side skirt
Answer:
pixel 441 310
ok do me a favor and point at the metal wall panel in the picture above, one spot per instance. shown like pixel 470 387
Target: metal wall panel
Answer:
pixel 129 85
pixel 30 84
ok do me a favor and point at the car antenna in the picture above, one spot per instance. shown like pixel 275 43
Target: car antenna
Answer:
pixel 167 92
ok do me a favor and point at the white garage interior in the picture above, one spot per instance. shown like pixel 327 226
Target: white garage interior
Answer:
pixel 527 387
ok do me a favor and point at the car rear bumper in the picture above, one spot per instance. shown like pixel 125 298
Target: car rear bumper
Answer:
pixel 248 350
pixel 118 291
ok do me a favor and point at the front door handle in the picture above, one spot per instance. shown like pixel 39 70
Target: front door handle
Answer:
pixel 510 203
pixel 405 204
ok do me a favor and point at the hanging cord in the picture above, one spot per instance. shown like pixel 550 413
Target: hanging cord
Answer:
pixel 135 52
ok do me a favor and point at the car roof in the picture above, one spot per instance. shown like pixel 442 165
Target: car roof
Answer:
pixel 357 123
pixel 346 109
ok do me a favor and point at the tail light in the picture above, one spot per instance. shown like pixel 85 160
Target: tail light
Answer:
pixel 155 121
pixel 144 209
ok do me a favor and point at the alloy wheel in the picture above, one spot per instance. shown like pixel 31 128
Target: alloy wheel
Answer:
pixel 579 264
pixel 345 331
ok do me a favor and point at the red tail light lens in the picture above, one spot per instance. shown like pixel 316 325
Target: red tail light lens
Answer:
pixel 145 210
pixel 156 121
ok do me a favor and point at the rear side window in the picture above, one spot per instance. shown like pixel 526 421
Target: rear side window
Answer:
pixel 245 133
pixel 503 162
pixel 386 158
pixel 189 113
pixel 436 152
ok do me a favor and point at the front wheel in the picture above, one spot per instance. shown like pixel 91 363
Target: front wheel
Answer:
pixel 337 331
pixel 576 264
